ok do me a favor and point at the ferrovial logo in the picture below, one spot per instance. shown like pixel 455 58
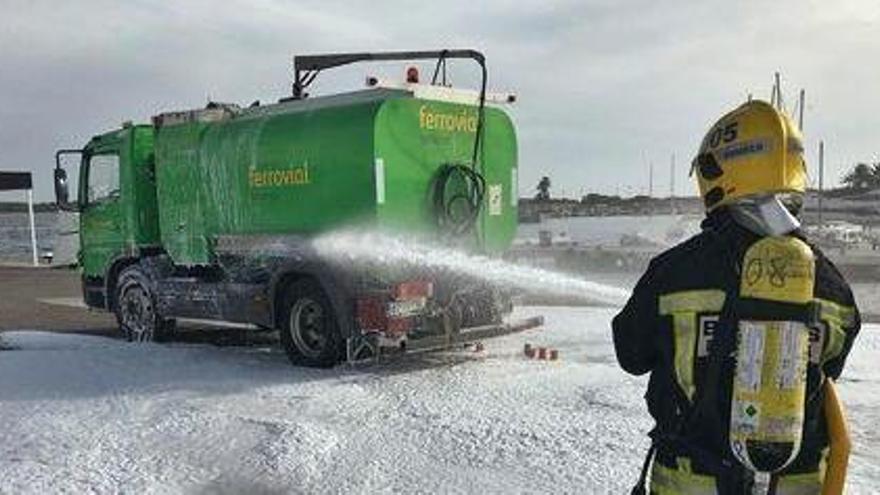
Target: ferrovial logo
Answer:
pixel 463 121
pixel 296 176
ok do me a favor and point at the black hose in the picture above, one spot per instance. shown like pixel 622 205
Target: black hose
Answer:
pixel 481 113
pixel 469 198
pixel 475 183
pixel 481 103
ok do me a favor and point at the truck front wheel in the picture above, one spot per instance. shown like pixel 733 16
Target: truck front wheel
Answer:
pixel 136 309
pixel 308 326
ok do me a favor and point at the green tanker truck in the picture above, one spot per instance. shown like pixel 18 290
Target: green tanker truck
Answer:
pixel 210 213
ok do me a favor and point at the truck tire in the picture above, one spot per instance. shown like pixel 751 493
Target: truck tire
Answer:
pixel 308 326
pixel 136 309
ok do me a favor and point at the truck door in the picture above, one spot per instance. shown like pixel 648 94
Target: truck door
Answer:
pixel 102 230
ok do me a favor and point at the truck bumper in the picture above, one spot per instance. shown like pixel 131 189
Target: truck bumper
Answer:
pixel 370 347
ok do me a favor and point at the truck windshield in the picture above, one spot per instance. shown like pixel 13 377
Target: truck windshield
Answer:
pixel 103 178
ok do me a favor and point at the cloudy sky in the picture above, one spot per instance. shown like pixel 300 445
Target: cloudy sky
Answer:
pixel 605 87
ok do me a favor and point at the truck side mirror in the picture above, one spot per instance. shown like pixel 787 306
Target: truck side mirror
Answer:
pixel 62 193
pixel 61 189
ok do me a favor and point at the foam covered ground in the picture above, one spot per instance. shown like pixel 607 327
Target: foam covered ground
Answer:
pixel 91 414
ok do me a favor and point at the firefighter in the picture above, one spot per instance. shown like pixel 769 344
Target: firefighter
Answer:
pixel 741 325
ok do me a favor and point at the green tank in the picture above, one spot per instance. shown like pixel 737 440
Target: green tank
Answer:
pixel 374 158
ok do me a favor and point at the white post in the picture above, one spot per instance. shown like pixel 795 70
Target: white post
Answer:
pixel 30 201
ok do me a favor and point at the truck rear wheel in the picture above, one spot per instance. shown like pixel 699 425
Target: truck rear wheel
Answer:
pixel 136 310
pixel 308 326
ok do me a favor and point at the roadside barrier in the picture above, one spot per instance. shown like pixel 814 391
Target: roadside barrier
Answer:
pixel 540 353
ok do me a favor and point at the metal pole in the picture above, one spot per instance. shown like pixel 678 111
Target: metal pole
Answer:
pixel 651 179
pixel 672 184
pixel 773 95
pixel 30 201
pixel 821 177
pixel 778 93
pixel 801 111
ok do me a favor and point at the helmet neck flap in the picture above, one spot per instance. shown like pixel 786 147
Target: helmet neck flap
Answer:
pixel 766 215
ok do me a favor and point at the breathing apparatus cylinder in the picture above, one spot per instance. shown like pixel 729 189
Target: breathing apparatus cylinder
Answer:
pixel 772 353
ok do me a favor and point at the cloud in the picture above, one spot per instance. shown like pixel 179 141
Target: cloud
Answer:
pixel 604 86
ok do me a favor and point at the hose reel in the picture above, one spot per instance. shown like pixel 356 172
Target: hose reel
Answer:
pixel 458 195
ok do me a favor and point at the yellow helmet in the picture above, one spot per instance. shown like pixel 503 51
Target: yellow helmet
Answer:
pixel 753 150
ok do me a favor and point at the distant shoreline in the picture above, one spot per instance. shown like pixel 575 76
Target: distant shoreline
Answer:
pixel 862 207
pixel 21 207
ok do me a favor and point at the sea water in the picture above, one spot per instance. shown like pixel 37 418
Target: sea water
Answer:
pixel 659 230
pixel 15 234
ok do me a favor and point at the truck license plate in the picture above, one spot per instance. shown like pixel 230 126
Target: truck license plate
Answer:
pixel 407 307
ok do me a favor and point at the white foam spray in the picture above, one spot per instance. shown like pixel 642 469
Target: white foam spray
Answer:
pixel 373 247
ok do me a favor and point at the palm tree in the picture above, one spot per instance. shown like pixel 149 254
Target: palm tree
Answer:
pixel 875 169
pixel 543 189
pixel 863 176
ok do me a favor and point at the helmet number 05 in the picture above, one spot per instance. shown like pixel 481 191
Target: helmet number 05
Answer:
pixel 726 134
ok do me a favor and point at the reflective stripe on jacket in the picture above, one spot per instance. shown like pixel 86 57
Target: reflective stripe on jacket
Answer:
pixel 681 480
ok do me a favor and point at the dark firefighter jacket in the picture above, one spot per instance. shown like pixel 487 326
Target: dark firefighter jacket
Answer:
pixel 666 328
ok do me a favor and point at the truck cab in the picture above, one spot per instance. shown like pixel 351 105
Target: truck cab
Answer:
pixel 116 201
